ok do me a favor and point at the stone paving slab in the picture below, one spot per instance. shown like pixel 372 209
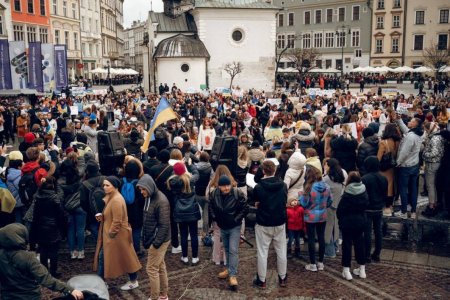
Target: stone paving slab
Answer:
pixel 439 262
pixel 408 257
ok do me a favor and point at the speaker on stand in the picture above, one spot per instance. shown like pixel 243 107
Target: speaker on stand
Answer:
pixel 225 152
pixel 111 152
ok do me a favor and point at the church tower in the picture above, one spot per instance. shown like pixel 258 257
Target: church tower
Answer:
pixel 174 8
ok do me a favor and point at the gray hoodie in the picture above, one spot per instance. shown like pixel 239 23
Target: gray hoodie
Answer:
pixel 408 151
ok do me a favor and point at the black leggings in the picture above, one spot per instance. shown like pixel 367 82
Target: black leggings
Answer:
pixel 312 229
pixel 187 228
pixel 353 236
pixel 49 251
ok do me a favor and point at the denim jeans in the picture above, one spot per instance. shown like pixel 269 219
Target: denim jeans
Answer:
pixel 330 249
pixel 75 229
pixel 93 227
pixel 408 187
pixel 430 176
pixel 294 236
pixel 137 232
pixel 231 238
pixel 374 219
pixel 187 228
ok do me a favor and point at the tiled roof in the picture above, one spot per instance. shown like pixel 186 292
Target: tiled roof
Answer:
pixel 181 46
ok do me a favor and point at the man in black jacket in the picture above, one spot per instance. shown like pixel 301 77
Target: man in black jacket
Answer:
pixel 152 160
pixel 369 147
pixel 270 196
pixel 228 208
pixel 156 235
pixel 376 187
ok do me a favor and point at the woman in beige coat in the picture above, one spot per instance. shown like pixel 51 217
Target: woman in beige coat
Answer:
pixel 115 255
pixel 389 143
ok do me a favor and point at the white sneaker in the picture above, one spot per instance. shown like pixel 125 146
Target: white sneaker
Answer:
pixel 163 298
pixel 346 274
pixel 387 212
pixel 361 272
pixel 401 215
pixel 195 260
pixel 81 255
pixel 302 241
pixel 74 255
pixel 320 266
pixel 185 260
pixel 413 216
pixel 129 286
pixel 176 250
pixel 339 242
pixel 311 267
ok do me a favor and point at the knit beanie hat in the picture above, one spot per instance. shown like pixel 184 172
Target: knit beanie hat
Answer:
pixel 224 180
pixel 315 163
pixel 179 169
pixel 92 168
pixel 15 155
pixel 114 181
pixel 164 156
pixel 367 132
pixel 29 138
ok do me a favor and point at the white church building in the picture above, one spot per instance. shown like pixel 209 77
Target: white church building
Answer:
pixel 191 42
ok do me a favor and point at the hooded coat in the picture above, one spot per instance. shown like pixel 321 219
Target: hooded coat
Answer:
pixel 337 189
pixel 21 274
pixel 295 175
pixel 344 150
pixel 351 209
pixel 305 137
pixel 156 229
pixel 376 184
pixel 408 151
pixel 367 148
pixel 316 203
pixel 271 194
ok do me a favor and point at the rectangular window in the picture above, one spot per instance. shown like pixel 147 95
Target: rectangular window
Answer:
pixel 380 22
pixel 319 64
pixel 83 20
pixel 30 6
pixel 318 18
pixel 396 21
pixel 280 20
pixel 65 8
pixel 291 40
pixel 418 42
pixel 1 25
pixel 380 4
pixel 329 39
pixel 340 39
pixel 329 15
pixel 17 6
pixel 307 18
pixel 43 35
pixel 397 3
pixel 18 33
pixel 42 7
pixel 74 10
pixel 291 19
pixel 358 53
pixel 66 39
pixel 281 41
pixel 57 37
pixel 339 64
pixel 420 17
pixel 341 14
pixel 395 42
pixel 355 13
pixel 442 41
pixel 318 40
pixel 306 41
pixel 75 41
pixel 443 16
pixel 31 34
pixel 328 63
pixel 379 46
pixel 355 38
pixel 55 7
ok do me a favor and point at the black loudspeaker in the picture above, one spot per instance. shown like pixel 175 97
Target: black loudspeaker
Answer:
pixel 224 152
pixel 111 152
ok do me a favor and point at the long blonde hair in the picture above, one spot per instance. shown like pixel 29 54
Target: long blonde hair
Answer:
pixel 185 178
pixel 221 170
pixel 346 131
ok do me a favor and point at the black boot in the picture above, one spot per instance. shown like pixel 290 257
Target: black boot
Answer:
pixel 289 252
pixel 297 253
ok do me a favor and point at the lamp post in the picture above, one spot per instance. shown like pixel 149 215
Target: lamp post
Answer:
pixel 342 31
pixel 108 66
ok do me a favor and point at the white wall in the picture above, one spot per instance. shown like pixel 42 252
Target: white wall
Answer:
pixel 169 71
pixel 256 51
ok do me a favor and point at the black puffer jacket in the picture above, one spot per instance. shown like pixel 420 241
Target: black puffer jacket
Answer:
pixel 228 210
pixel 271 193
pixel 376 184
pixel 344 150
pixel 305 139
pixel 352 207
pixel 204 171
pixel 367 148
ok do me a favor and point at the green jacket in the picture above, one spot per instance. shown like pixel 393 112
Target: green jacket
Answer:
pixel 21 274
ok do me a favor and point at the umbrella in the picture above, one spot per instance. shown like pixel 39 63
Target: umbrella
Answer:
pixel 371 70
pixel 291 70
pixel 99 71
pixel 444 69
pixel 384 69
pixel 403 69
pixel 332 70
pixel 423 69
pixel 358 69
pixel 316 70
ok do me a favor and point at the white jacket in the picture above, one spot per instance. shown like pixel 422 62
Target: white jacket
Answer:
pixel 295 171
pixel 206 138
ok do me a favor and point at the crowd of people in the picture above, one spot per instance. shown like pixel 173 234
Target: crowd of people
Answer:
pixel 324 169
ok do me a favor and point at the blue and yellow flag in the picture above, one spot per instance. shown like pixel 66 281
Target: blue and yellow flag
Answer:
pixel 164 113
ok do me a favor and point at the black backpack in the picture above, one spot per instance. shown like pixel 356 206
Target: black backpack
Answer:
pixel 27 187
pixel 96 195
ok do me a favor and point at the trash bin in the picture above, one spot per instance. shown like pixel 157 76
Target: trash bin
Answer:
pixel 416 85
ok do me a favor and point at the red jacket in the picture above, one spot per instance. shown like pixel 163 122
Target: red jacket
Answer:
pixel 295 218
pixel 252 111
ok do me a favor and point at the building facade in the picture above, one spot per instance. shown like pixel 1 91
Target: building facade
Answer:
pixel 65 24
pixel 111 14
pixel 133 45
pixel 337 29
pixel 388 33
pixel 30 21
pixel 91 38
pixel 6 27
pixel 427 25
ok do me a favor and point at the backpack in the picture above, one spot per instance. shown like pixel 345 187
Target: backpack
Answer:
pixel 72 202
pixel 27 187
pixel 96 195
pixel 254 166
pixel 128 189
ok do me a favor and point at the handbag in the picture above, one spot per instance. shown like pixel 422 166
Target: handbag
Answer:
pixel 72 202
pixel 387 160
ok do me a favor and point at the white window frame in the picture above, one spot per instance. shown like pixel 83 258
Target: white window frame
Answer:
pixel 382 23
pixel 393 21
pixel 315 16
pixel 376 45
pixel 398 44
pixel 281 38
pixel 326 16
pixel 319 40
pixel 448 15
pixel 437 38
pixel 359 13
pixel 345 12
pixel 293 19
pixel 55 7
pixel 278 20
pixel 414 42
pixel 415 17
pixel 304 17
pixel 358 51
pixel 359 38
pixel 293 40
pixel 304 40
pixel 328 38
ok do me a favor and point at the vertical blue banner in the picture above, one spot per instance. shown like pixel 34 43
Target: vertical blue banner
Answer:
pixel 35 67
pixel 48 67
pixel 61 66
pixel 5 66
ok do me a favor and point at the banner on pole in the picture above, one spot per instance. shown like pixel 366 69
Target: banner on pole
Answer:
pixel 35 67
pixel 18 65
pixel 48 67
pixel 61 66
pixel 5 66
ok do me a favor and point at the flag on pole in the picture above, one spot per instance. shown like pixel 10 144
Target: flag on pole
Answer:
pixel 163 113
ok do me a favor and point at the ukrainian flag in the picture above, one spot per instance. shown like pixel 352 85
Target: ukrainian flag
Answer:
pixel 164 113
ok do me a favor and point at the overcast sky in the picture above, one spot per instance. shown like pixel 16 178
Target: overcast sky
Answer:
pixel 134 10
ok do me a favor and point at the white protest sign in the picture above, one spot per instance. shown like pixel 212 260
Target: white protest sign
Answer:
pixel 74 110
pixel 276 102
pixel 78 90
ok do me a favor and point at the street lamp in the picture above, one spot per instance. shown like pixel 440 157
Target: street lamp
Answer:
pixel 109 75
pixel 339 31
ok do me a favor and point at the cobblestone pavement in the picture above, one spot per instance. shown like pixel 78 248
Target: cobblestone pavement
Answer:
pixel 400 275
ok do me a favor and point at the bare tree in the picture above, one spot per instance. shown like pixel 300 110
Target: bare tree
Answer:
pixel 303 59
pixel 233 69
pixel 289 45
pixel 436 58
